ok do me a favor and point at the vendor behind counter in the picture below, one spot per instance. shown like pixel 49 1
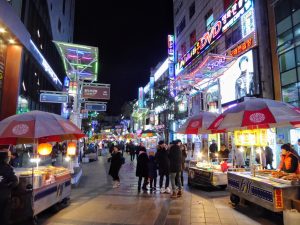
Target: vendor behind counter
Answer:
pixel 289 162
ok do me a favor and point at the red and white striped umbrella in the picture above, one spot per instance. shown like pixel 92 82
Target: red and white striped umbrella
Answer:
pixel 37 126
pixel 198 124
pixel 257 113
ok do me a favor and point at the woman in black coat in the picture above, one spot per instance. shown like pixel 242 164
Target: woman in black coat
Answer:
pixel 162 158
pixel 142 168
pixel 115 166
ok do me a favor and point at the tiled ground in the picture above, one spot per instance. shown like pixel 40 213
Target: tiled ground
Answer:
pixel 94 202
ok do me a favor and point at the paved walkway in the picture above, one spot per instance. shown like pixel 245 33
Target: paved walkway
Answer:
pixel 94 202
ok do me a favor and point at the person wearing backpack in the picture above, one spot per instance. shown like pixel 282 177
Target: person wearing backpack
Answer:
pixel 116 162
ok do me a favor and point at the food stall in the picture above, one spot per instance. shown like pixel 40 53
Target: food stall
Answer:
pixel 275 191
pixel 39 189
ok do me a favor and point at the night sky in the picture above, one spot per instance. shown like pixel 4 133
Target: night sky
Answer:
pixel 131 37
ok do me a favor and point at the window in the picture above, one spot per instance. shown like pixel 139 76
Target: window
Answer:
pixel 233 37
pixel 290 93
pixel 209 19
pixel 289 77
pixel 178 8
pixel 284 25
pixel 192 9
pixel 192 38
pixel 296 17
pixel 287 61
pixel 64 6
pixel 180 27
pixel 283 38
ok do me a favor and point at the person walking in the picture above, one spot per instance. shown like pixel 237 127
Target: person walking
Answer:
pixel 152 169
pixel 142 168
pixel 8 180
pixel 175 157
pixel 115 166
pixel 162 158
pixel 213 149
pixel 269 157
pixel 131 151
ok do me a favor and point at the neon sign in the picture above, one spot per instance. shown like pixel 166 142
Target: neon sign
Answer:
pixel 171 48
pixel 242 47
pixel 141 97
pixel 227 20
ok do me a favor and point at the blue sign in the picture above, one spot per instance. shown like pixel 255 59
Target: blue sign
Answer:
pixel 96 107
pixel 54 98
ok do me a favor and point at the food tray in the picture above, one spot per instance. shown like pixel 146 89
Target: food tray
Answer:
pixel 278 180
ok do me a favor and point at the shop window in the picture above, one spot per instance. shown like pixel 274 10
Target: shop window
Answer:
pixel 180 27
pixel 296 17
pixel 290 93
pixel 287 61
pixel 282 10
pixel 289 77
pixel 192 38
pixel 192 9
pixel 283 38
pixel 209 19
pixel 297 31
pixel 298 55
pixel 284 25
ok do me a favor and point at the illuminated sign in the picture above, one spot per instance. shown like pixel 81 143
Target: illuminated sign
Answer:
pixel 40 58
pixel 66 82
pixel 243 46
pixel 171 48
pixel 239 80
pixel 141 97
pixel 54 98
pixel 229 18
pixel 248 23
pixel 96 92
pixel 95 107
pixel 151 87
pixel 256 137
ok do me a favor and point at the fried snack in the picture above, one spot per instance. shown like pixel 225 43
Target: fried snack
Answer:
pixel 278 174
pixel 292 177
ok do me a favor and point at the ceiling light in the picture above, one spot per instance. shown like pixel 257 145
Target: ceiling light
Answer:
pixel 38 33
pixel 11 41
pixel 2 30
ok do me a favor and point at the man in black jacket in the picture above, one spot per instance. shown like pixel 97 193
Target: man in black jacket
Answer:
pixel 162 158
pixel 8 180
pixel 175 157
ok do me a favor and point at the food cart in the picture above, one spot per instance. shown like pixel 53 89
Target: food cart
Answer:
pixel 39 189
pixel 264 189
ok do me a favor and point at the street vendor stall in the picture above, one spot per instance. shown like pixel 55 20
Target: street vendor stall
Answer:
pixel 40 187
pixel 272 190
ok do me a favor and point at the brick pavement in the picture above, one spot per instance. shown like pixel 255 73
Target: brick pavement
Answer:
pixel 94 202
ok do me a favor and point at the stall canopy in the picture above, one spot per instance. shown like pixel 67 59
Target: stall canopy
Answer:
pixel 257 113
pixel 210 68
pixel 37 126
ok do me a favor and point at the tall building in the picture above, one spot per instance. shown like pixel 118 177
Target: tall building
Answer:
pixel 29 61
pixel 221 55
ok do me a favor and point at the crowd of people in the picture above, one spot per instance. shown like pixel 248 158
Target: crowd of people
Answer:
pixel 167 163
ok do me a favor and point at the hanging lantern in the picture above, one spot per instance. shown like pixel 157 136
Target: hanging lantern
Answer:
pixel 71 150
pixel 44 149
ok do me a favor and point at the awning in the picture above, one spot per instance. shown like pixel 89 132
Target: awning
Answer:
pixel 210 68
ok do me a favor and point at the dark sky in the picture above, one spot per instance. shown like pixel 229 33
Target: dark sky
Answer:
pixel 131 37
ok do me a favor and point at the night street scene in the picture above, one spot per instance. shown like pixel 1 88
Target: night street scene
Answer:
pixel 160 112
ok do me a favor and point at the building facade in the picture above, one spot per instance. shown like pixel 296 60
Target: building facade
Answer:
pixel 28 58
pixel 221 55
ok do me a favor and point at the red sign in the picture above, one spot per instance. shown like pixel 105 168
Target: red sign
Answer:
pixel 278 199
pixel 96 92
pixel 242 47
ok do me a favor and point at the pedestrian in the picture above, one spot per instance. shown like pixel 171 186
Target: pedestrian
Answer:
pixel 152 171
pixel 8 180
pixel 238 157
pixel 138 149
pixel 131 151
pixel 115 166
pixel 213 149
pixel 183 149
pixel 162 158
pixel 142 168
pixel 175 156
pixel 223 153
pixel 289 161
pixel 15 160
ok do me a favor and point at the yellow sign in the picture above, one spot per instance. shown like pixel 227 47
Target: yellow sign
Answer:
pixel 257 137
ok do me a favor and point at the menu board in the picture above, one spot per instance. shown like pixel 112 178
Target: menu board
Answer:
pixel 257 137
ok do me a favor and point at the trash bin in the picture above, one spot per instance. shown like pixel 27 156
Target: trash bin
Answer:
pixel 291 217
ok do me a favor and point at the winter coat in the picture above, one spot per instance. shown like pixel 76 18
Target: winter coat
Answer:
pixel 8 180
pixel 152 167
pixel 162 158
pixel 142 165
pixel 115 163
pixel 224 155
pixel 184 156
pixel 269 155
pixel 175 156
pixel 289 163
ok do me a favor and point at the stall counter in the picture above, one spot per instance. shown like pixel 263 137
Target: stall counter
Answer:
pixel 262 191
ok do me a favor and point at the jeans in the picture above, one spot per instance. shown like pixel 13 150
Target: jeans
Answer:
pixel 173 177
pixel 161 179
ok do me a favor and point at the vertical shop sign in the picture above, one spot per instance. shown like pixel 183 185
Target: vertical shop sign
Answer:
pixel 152 87
pixel 141 97
pixel 171 48
pixel 278 199
pixel 171 57
pixel 248 23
